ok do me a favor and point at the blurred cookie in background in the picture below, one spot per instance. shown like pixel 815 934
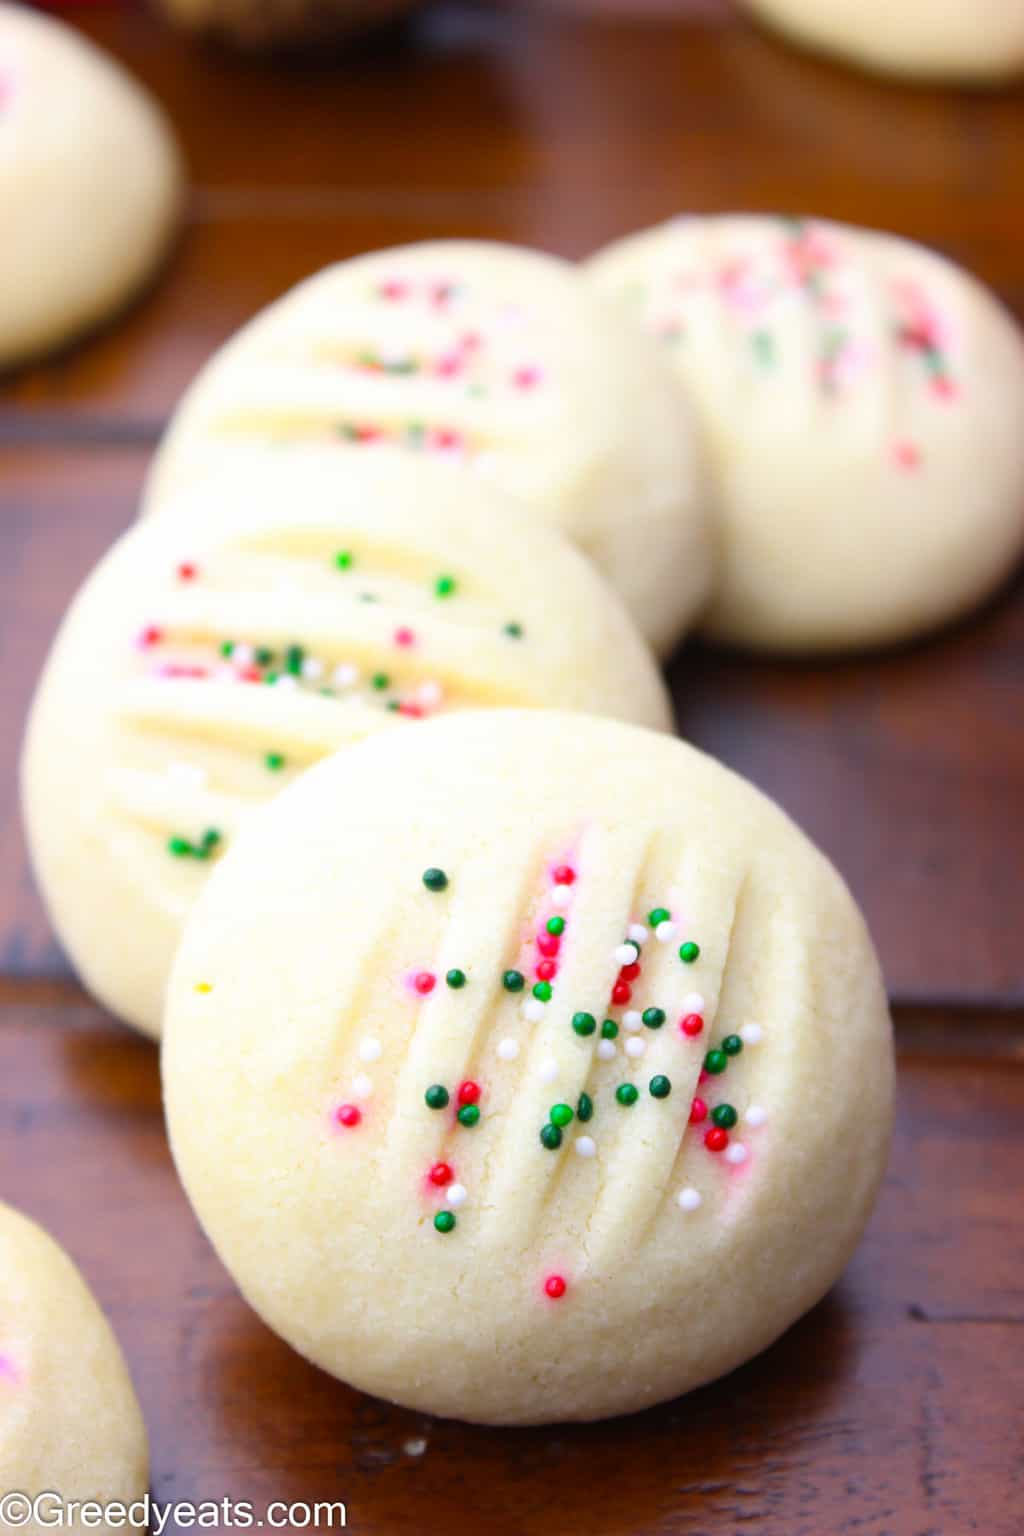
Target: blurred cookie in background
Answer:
pixel 269 23
pixel 91 184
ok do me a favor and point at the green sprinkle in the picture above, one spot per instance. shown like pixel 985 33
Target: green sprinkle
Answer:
pixel 660 1087
pixel 180 847
pixel 715 1062
pixel 456 978
pixel 380 681
pixel 444 1221
pixel 469 1114
pixel 725 1116
pixel 654 1018
pixel 561 1115
pixel 393 705
pixel 263 657
pixel 609 1030
pixel 270 677
pixel 343 559
pixel 627 1093
pixel 274 761
pixel 542 991
pixel 732 1045
pixel 584 1023
pixel 514 631
pixel 658 915
pixel 555 925
pixel 293 659
pixel 689 952
pixel 444 586
pixel 585 1107
pixel 436 1096
pixel 435 879
pixel 513 981
pixel 227 647
pixel 764 347
pixel 550 1137
pixel 368 597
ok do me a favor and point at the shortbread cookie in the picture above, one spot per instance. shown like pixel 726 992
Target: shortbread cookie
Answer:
pixel 861 399
pixel 484 356
pixel 70 1423
pixel 968 40
pixel 90 184
pixel 216 653
pixel 266 23
pixel 541 1075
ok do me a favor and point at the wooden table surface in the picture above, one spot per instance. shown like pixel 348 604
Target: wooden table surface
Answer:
pixel 894 1409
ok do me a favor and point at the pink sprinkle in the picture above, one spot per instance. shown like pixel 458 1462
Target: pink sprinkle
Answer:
pixel 446 440
pixel 470 342
pixel 548 943
pixel 944 387
pixel 180 669
pixel 405 636
pixel 526 378
pixel 906 455
pixel 702 1075
pixel 424 982
pixel 394 289
pixel 348 1116
pixel 149 637
pixel 448 366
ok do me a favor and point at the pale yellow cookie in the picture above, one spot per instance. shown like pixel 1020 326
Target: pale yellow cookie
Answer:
pixel 488 358
pixel 276 615
pixel 90 184
pixel 70 1423
pixel 861 401
pixel 966 40
pixel 542 1074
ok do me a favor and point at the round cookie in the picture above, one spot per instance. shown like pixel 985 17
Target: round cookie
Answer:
pixel 69 1419
pixel 90 184
pixel 365 601
pixel 486 357
pixel 542 1076
pixel 861 401
pixel 967 40
pixel 269 23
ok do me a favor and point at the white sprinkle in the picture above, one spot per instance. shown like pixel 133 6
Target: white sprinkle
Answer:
pixel 755 1115
pixel 346 675
pixel 561 895
pixel 508 1049
pixel 635 1046
pixel 548 1070
pixel 606 1049
pixel 632 1020
pixel 736 1152
pixel 665 933
pixel 637 933
pixel 224 673
pixel 313 668
pixel 456 1194
pixel 533 1009
pixel 626 954
pixel 585 1146
pixel 688 1199
pixel 693 1003
pixel 429 694
pixel 187 773
pixel 362 1087
pixel 286 681
pixel 414 1447
pixel 751 1034
pixel 243 655
pixel 370 1049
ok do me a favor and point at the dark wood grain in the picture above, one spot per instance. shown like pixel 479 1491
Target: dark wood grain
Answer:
pixel 889 1411
pixel 908 769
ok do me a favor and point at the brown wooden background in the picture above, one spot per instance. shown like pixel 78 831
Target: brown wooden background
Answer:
pixel 895 1408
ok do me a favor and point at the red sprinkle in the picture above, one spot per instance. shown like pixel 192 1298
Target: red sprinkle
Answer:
pixel 469 1091
pixel 404 636
pixel 424 982
pixel 715 1139
pixel 448 367
pixel 692 1024
pixel 554 1286
pixel 150 636
pixel 906 454
pixel 348 1115
pixel 187 571
pixel 441 1174
pixel 630 972
pixel 698 1111
pixel 564 874
pixel 621 993
pixel 410 710
pixel 548 943
pixel 547 970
